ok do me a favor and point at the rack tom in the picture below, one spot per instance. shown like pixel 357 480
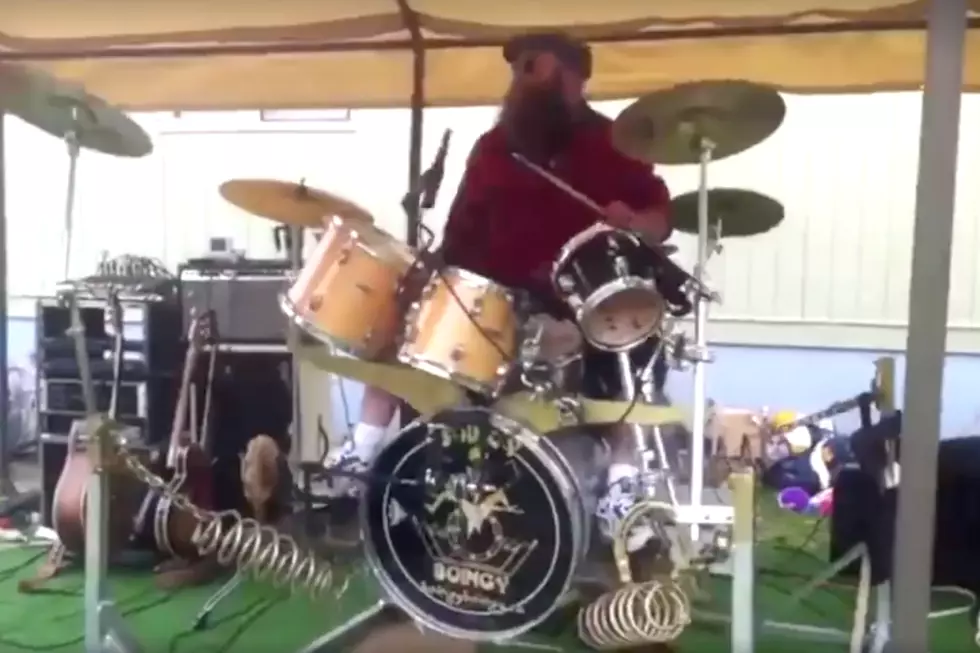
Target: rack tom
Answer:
pixel 608 277
pixel 348 293
pixel 464 328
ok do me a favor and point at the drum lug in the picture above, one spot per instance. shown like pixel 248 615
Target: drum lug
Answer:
pixel 368 338
pixel 345 252
pixel 477 309
pixel 565 284
pixel 457 354
pixel 621 266
pixel 411 331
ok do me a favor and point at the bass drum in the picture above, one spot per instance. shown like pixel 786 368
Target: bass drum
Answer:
pixel 475 526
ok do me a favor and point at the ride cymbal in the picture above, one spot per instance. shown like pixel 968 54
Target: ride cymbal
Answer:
pixel 667 126
pixel 291 204
pixel 60 109
pixel 739 212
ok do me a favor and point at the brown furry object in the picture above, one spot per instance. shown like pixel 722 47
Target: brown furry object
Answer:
pixel 260 473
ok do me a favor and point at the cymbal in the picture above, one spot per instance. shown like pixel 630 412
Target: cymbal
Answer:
pixel 740 212
pixel 666 126
pixel 59 108
pixel 292 204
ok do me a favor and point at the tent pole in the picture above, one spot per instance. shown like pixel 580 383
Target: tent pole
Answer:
pixel 7 487
pixel 411 21
pixel 928 305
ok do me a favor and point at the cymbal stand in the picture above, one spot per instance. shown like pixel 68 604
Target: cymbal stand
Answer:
pixel 72 141
pixel 104 627
pixel 699 408
pixel 654 464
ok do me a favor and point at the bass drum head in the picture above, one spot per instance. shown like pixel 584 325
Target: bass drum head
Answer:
pixel 473 525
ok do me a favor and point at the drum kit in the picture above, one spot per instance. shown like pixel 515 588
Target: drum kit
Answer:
pixel 476 521
pixel 477 518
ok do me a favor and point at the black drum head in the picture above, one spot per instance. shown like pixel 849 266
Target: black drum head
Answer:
pixel 468 528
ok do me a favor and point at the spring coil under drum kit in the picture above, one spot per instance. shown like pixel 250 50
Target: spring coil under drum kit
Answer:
pixel 653 612
pixel 259 550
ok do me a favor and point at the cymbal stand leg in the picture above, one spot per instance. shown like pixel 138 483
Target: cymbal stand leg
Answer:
pixel 74 150
pixel 104 628
pixel 653 463
pixel 295 242
pixel 699 408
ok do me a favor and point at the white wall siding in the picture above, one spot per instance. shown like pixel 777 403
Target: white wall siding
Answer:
pixel 835 273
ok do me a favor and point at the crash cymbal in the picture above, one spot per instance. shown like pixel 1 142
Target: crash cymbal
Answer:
pixel 666 126
pixel 292 204
pixel 58 108
pixel 740 212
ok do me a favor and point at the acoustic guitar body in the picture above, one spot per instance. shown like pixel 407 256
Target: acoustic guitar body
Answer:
pixel 68 509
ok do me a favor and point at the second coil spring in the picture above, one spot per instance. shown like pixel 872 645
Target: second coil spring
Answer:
pixel 653 612
pixel 263 552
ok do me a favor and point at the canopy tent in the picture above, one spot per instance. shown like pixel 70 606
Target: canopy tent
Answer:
pixel 145 54
pixel 149 55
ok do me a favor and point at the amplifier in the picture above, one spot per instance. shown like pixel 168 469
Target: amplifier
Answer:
pixel 64 396
pixel 243 295
pixel 153 337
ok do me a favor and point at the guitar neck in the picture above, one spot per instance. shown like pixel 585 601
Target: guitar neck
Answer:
pixel 205 441
pixel 118 346
pixel 180 410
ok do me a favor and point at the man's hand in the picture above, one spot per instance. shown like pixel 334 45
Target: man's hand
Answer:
pixel 619 214
pixel 651 222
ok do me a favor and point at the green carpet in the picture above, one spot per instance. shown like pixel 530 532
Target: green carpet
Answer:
pixel 259 619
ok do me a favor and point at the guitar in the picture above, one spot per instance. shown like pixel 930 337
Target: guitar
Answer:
pixel 68 506
pixel 160 523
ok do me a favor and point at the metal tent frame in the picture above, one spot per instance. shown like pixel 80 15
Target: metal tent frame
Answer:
pixel 947 24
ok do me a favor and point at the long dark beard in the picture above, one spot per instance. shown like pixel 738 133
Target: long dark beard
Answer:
pixel 537 120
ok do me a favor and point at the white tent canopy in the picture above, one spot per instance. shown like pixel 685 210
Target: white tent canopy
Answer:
pixel 146 54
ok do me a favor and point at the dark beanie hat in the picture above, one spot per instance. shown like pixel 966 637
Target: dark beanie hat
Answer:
pixel 573 53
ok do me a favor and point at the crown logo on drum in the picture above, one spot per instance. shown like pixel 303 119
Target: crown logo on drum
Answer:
pixel 457 564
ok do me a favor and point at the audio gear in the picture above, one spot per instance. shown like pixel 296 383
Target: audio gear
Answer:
pixel 243 294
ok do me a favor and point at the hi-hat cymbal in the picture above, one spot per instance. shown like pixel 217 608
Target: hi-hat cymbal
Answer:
pixel 292 204
pixel 739 212
pixel 667 126
pixel 60 109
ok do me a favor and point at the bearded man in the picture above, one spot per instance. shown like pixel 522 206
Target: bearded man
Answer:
pixel 508 224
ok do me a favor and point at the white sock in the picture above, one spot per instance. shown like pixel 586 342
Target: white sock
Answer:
pixel 368 439
pixel 620 471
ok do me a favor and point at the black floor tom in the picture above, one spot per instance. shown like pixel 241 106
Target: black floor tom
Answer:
pixel 475 526
pixel 609 278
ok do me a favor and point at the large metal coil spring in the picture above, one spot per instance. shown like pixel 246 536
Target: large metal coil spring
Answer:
pixel 654 612
pixel 263 552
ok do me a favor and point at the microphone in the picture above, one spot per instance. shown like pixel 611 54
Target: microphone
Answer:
pixel 432 178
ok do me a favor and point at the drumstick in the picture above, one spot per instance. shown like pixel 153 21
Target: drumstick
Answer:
pixel 559 184
pixel 583 199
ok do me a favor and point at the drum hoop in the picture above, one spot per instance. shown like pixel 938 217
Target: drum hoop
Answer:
pixel 336 346
pixel 604 292
pixel 575 243
pixel 472 278
pixel 425 364
pixel 561 472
